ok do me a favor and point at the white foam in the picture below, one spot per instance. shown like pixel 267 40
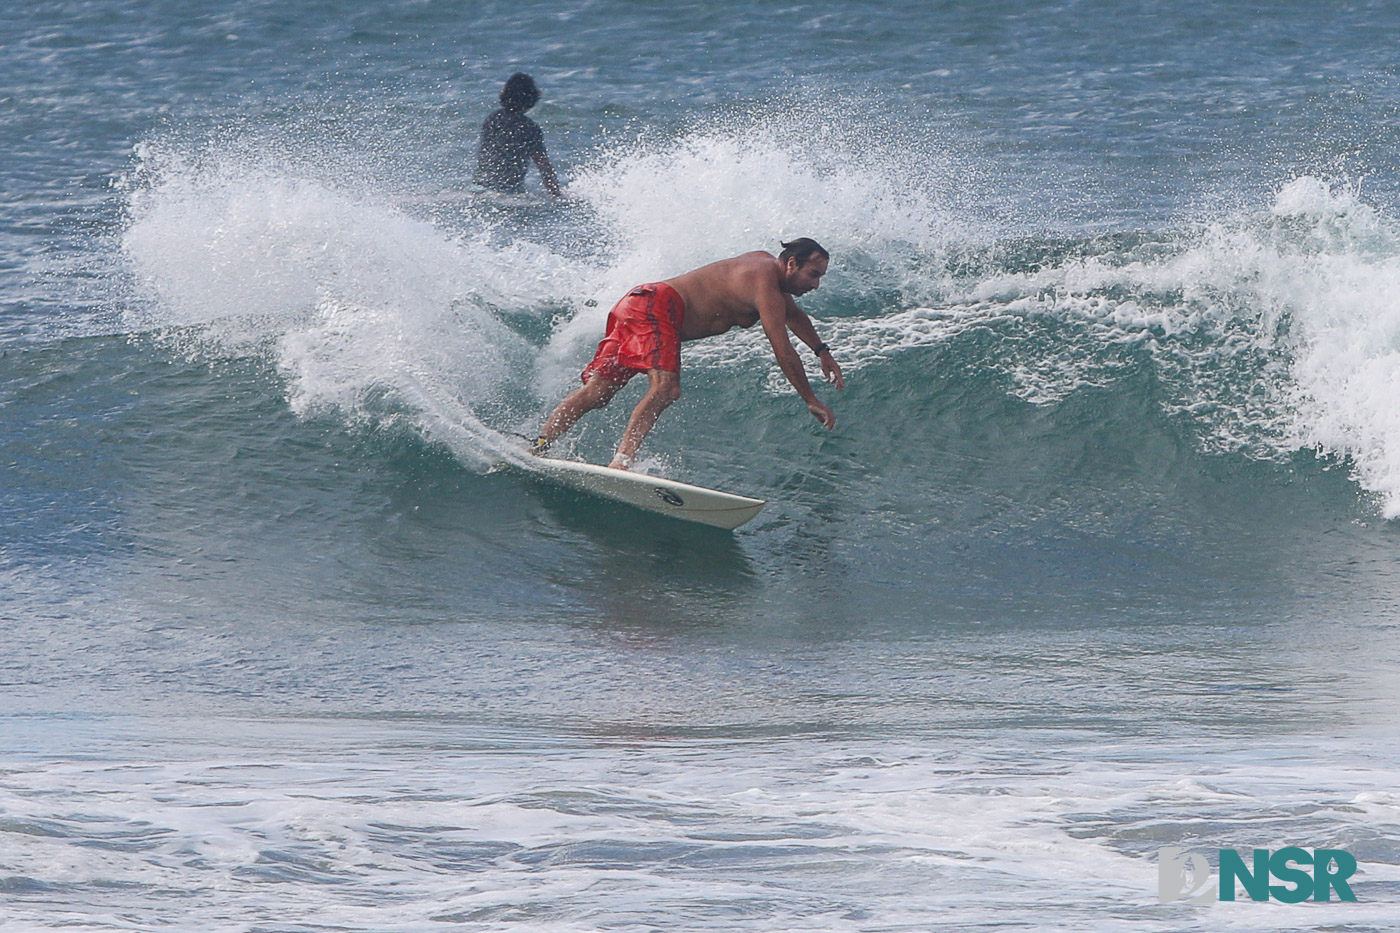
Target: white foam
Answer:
pixel 1339 282
pixel 352 296
pixel 397 825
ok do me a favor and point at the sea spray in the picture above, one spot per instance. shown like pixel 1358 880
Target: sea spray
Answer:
pixel 890 210
pixel 1338 280
pixel 351 296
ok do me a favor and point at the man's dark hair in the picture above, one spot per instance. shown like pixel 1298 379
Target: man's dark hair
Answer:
pixel 520 93
pixel 802 249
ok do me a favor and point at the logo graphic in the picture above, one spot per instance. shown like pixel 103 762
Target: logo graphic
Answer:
pixel 1183 875
pixel 669 497
pixel 1180 874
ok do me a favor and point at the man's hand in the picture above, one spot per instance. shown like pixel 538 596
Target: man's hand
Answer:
pixel 831 372
pixel 822 413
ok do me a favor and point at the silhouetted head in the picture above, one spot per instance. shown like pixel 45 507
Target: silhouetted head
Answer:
pixel 520 93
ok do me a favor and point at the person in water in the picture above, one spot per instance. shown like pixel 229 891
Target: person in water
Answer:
pixel 646 328
pixel 510 141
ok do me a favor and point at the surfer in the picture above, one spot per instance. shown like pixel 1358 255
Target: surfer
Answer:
pixel 646 328
pixel 510 140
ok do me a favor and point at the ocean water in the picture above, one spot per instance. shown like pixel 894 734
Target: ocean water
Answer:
pixel 1102 556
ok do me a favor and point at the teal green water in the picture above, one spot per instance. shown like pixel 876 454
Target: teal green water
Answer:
pixel 1099 558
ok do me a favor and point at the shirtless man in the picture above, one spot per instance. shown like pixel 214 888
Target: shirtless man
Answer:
pixel 646 328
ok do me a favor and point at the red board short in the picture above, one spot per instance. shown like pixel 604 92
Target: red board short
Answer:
pixel 644 332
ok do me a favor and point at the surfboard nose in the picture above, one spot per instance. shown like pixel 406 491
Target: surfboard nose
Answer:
pixel 652 493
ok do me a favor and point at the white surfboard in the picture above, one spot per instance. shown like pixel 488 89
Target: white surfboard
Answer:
pixel 653 493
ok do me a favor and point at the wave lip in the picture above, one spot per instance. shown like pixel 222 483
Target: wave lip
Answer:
pixel 1335 277
pixel 1267 332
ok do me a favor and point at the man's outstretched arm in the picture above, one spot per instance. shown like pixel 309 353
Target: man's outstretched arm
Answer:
pixel 773 313
pixel 801 326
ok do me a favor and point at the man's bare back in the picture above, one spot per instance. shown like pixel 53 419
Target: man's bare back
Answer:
pixel 739 292
pixel 724 294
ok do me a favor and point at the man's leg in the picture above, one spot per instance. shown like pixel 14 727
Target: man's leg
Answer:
pixel 665 388
pixel 595 393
